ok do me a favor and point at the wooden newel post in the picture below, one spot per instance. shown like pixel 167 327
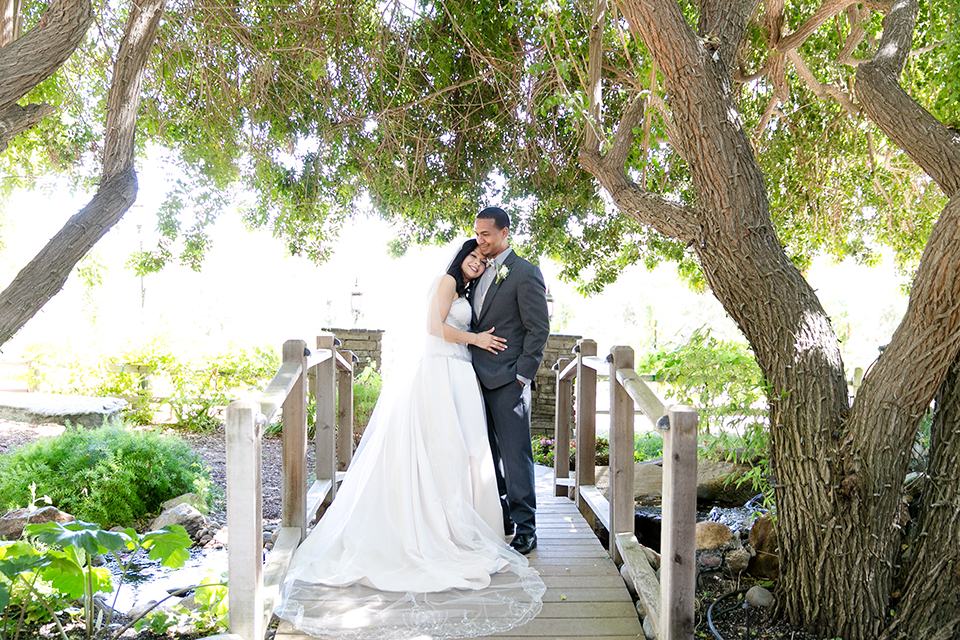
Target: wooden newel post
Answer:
pixel 678 577
pixel 294 436
pixel 622 505
pixel 561 429
pixel 345 413
pixel 586 435
pixel 326 432
pixel 245 519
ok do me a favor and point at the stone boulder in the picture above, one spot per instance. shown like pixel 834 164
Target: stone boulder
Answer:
pixel 12 524
pixel 716 482
pixel 184 514
pixel 43 408
pixel 712 535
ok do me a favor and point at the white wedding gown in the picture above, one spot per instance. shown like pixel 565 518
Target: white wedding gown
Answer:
pixel 413 544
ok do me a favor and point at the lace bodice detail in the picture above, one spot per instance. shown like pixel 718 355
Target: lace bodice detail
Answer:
pixel 458 317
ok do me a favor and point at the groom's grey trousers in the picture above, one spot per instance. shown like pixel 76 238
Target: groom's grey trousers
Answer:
pixel 508 421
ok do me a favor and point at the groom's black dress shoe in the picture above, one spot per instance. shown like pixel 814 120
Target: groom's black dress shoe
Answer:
pixel 525 543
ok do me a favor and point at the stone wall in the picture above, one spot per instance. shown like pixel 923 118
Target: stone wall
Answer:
pixel 544 399
pixel 366 344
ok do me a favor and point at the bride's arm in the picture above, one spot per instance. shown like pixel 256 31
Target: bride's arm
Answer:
pixel 446 294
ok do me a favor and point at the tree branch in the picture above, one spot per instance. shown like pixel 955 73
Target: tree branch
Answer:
pixel 35 56
pixel 16 119
pixel 822 91
pixel 929 143
pixel 45 275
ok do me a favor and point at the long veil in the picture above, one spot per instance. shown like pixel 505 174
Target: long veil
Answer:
pixel 407 549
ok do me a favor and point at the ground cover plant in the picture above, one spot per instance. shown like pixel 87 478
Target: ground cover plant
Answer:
pixel 113 475
pixel 55 565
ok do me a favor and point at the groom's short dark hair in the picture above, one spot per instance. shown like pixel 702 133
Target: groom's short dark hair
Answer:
pixel 500 218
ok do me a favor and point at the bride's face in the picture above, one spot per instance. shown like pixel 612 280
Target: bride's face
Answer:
pixel 473 265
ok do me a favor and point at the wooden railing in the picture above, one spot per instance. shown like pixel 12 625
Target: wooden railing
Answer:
pixel 252 586
pixel 670 602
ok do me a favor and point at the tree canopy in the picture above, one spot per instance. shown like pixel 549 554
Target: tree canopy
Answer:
pixel 432 109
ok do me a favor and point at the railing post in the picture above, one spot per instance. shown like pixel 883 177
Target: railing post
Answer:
pixel 294 438
pixel 245 519
pixel 678 578
pixel 326 431
pixel 586 433
pixel 621 451
pixel 561 430
pixel 345 415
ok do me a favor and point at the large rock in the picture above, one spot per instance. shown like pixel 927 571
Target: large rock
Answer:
pixel 647 481
pixel 43 408
pixel 712 535
pixel 716 482
pixel 12 524
pixel 185 515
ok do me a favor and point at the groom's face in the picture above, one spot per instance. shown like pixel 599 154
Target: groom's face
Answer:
pixel 490 240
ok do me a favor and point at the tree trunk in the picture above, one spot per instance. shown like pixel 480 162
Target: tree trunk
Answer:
pixel 838 473
pixel 929 605
pixel 45 275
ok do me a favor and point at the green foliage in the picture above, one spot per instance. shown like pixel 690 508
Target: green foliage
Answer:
pixel 61 557
pixel 195 386
pixel 209 616
pixel 112 474
pixel 722 380
pixel 647 446
pixel 366 392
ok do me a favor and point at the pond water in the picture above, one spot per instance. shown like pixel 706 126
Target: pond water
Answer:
pixel 148 580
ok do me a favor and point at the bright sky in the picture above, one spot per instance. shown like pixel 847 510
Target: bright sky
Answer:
pixel 250 293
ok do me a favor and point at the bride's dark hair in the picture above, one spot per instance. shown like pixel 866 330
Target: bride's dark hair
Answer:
pixel 464 288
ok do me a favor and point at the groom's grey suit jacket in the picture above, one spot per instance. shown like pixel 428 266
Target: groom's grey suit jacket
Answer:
pixel 517 307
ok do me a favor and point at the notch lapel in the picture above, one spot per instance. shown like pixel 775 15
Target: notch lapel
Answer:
pixel 495 286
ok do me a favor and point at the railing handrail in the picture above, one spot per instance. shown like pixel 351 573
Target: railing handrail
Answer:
pixel 577 381
pixel 254 586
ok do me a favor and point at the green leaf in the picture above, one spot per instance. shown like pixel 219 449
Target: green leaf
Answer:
pixel 65 575
pixel 80 535
pixel 169 545
pixel 10 566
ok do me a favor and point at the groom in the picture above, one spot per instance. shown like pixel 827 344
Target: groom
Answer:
pixel 510 297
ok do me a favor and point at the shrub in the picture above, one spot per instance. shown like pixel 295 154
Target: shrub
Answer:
pixel 109 475
pixel 646 447
pixel 366 392
pixel 195 387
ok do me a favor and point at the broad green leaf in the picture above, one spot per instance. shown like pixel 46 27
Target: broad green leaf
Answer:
pixel 65 575
pixel 81 535
pixel 10 566
pixel 170 545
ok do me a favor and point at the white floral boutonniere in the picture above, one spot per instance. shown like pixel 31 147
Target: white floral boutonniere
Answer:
pixel 502 274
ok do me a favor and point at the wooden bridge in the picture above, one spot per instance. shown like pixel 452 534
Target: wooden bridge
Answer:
pixel 586 594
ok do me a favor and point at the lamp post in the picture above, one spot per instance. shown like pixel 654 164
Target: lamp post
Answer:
pixel 356 302
pixel 549 303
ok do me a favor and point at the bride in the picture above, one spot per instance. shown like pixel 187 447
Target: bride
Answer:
pixel 413 545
